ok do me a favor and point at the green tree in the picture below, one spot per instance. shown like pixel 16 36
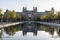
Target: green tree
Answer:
pixel 1 16
pixel 7 15
pixel 13 14
pixel 18 17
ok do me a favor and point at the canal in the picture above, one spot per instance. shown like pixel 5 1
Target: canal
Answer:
pixel 30 31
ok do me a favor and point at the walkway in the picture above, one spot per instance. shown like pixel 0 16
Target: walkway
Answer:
pixel 15 23
pixel 5 24
pixel 50 24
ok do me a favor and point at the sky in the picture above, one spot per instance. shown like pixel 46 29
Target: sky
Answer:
pixel 41 5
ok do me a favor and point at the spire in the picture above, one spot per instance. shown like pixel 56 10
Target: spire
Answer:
pixel 35 9
pixel 24 9
pixel 52 10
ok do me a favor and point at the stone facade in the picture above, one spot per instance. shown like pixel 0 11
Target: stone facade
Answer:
pixel 32 14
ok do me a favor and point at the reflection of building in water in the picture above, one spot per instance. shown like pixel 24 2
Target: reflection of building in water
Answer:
pixel 32 27
pixel 29 28
pixel 25 32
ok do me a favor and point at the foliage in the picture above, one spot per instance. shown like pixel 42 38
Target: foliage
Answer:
pixel 50 16
pixel 1 14
pixel 11 15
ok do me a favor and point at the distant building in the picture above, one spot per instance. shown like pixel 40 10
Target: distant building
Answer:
pixel 31 14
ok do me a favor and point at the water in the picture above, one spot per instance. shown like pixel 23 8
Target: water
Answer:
pixel 31 31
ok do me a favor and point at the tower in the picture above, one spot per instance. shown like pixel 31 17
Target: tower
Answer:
pixel 24 9
pixel 35 9
pixel 52 10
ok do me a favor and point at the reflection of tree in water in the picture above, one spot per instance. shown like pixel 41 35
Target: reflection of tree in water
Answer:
pixel 11 30
pixel 0 33
pixel 59 32
pixel 50 29
pixel 44 28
